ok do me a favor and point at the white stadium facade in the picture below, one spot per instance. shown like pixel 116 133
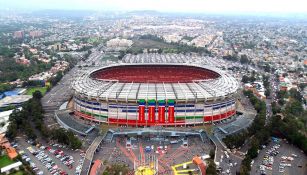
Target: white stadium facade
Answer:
pixel 155 90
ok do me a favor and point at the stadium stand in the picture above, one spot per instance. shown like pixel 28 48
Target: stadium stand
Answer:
pixel 154 73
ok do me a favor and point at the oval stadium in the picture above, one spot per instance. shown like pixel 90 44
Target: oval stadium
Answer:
pixel 155 94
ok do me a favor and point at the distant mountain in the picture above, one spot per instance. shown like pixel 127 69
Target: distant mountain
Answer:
pixel 144 12
pixel 64 13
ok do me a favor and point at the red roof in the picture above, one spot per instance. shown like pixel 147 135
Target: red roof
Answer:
pixel 201 165
pixel 95 167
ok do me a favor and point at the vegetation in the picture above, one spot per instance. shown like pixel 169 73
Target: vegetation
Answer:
pixel 66 137
pixel 211 168
pixel 267 68
pixel 18 173
pixel 293 124
pixel 6 87
pixel 259 133
pixel 231 58
pixel 248 79
pixel 22 121
pixel 116 169
pixel 266 84
pixel 56 79
pixel 275 108
pixel 25 169
pixel 5 161
pixel 31 90
pixel 155 44
pixel 188 38
pixel 32 83
pixel 244 59
pixel 6 52
pixel 72 60
pixel 11 71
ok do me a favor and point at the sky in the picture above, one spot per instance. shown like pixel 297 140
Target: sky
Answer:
pixel 196 6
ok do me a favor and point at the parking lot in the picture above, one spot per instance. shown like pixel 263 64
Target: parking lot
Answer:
pixel 50 158
pixel 280 158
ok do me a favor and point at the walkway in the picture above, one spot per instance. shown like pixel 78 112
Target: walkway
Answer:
pixel 90 154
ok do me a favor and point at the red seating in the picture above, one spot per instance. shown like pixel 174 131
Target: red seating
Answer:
pixel 155 73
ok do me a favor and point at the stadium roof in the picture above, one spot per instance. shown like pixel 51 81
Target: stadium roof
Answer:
pixel 208 89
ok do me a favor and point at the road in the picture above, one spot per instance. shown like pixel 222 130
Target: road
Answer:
pixel 90 154
pixel 60 93
pixel 224 162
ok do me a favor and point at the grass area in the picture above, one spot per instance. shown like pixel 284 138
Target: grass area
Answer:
pixel 33 89
pixel 18 173
pixel 5 160
pixel 109 57
pixel 147 43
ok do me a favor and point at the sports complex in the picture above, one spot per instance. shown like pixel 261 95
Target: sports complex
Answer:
pixel 155 94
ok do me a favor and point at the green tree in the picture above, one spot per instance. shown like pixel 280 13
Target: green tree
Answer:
pixel 11 132
pixel 212 154
pixel 294 93
pixel 245 79
pixel 267 92
pixel 244 59
pixel 294 107
pixel 211 168
pixel 253 151
pixel 37 95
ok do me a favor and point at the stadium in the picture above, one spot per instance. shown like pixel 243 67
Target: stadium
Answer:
pixel 155 94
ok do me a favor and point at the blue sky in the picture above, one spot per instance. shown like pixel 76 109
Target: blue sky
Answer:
pixel 238 6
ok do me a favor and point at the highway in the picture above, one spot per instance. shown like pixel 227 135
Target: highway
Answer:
pixel 59 94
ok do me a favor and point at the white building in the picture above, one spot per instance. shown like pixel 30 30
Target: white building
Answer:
pixel 8 168
pixel 4 117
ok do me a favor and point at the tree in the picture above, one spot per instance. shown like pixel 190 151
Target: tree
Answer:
pixel 116 169
pixel 22 120
pixel 295 94
pixel 275 108
pixel 212 154
pixel 294 107
pixel 56 79
pixel 267 68
pixel 66 137
pixel 245 79
pixel 244 59
pixel 6 87
pixel 211 168
pixel 160 51
pixel 11 132
pixel 121 54
pixel 267 92
pixel 230 58
pixel 253 151
pixel 37 95
pixel 6 52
